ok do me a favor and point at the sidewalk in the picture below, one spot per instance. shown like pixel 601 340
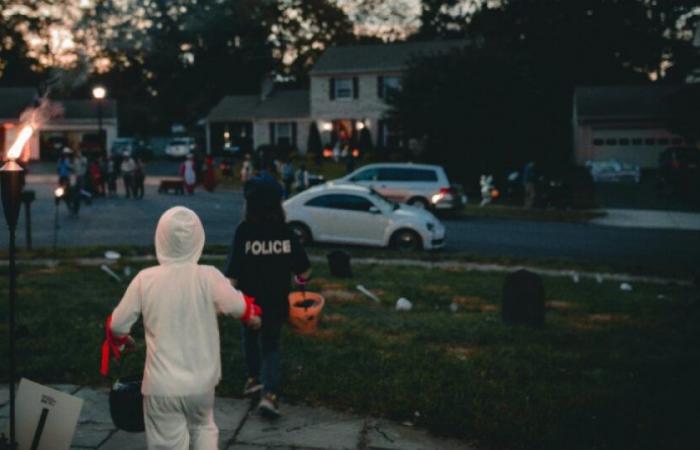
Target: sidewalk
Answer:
pixel 642 218
pixel 300 427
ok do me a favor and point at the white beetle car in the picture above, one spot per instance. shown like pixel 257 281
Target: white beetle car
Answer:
pixel 354 214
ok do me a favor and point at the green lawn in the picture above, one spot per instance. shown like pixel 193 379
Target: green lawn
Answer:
pixel 611 369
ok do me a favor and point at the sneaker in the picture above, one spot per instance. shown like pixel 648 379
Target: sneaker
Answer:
pixel 252 387
pixel 269 407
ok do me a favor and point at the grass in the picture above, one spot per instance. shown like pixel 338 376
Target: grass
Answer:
pixel 611 369
pixel 320 250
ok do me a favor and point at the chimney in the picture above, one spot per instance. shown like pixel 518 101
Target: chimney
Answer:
pixel 266 87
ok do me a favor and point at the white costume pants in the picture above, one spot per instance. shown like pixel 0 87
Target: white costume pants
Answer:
pixel 173 422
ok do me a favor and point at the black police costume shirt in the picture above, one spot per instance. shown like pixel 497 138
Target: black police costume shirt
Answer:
pixel 262 259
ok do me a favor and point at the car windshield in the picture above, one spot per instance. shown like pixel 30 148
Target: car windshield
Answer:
pixel 383 200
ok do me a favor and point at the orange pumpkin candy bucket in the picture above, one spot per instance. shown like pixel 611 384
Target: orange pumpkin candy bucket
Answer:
pixel 305 311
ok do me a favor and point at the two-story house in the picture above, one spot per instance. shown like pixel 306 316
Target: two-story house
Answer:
pixel 349 86
pixel 348 89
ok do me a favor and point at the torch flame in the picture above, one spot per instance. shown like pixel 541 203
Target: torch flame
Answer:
pixel 16 150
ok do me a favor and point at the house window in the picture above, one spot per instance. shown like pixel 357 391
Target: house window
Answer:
pixel 650 141
pixel 662 141
pixel 388 85
pixel 676 141
pixel 637 141
pixel 598 142
pixel 283 133
pixel 343 88
pixel 611 141
pixel 624 141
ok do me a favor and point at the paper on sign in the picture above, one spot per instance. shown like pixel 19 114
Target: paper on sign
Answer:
pixel 46 418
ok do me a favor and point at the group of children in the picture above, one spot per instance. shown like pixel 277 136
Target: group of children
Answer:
pixel 179 301
pixel 83 178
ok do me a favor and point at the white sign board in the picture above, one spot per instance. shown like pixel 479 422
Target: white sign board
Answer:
pixel 46 418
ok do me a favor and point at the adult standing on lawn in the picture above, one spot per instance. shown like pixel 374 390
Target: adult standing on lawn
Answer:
pixel 179 301
pixel 128 168
pixel 264 254
pixel 287 177
pixel 139 178
pixel 529 180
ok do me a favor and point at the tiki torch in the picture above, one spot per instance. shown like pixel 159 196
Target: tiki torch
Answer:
pixel 11 183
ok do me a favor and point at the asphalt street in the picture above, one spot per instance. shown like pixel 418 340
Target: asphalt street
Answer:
pixel 115 221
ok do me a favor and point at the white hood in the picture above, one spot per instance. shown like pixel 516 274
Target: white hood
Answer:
pixel 179 236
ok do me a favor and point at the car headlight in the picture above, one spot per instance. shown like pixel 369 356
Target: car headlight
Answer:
pixel 430 226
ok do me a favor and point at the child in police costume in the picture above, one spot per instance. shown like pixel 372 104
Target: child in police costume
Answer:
pixel 264 255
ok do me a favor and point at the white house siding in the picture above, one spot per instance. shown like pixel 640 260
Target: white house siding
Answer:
pixel 644 154
pixel 368 107
pixel 261 132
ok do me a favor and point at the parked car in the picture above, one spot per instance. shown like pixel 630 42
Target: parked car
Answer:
pixel 352 214
pixel 180 147
pixel 137 148
pixel 613 170
pixel 420 185
pixel 679 172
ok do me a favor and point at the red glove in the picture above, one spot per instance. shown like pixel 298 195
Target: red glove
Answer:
pixel 251 309
pixel 112 345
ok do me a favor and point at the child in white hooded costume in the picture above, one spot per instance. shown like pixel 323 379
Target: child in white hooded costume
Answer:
pixel 179 301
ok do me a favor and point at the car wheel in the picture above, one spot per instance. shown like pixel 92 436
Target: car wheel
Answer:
pixel 406 241
pixel 419 202
pixel 302 232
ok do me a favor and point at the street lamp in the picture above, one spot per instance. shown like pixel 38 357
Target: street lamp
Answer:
pixel 99 93
pixel 11 185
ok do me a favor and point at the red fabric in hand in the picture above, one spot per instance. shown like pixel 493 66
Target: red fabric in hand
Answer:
pixel 111 347
pixel 251 309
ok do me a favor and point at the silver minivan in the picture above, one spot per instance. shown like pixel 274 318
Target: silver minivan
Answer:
pixel 421 185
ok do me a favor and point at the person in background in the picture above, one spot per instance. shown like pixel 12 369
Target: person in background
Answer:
pixel 302 178
pixel 139 178
pixel 128 167
pixel 96 177
pixel 64 168
pixel 265 252
pixel 179 301
pixel 111 171
pixel 287 177
pixel 77 181
pixel 529 180
pixel 209 174
pixel 188 174
pixel 246 169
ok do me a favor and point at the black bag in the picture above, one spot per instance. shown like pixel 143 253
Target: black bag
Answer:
pixel 523 299
pixel 126 404
pixel 339 264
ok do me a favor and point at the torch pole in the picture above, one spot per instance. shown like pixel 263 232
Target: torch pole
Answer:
pixel 13 298
pixel 11 183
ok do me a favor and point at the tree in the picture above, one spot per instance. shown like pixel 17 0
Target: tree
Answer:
pixel 303 29
pixel 365 141
pixel 474 108
pixel 314 145
pixel 684 112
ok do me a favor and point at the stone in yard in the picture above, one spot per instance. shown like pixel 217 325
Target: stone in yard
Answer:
pixel 386 436
pixel 305 427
